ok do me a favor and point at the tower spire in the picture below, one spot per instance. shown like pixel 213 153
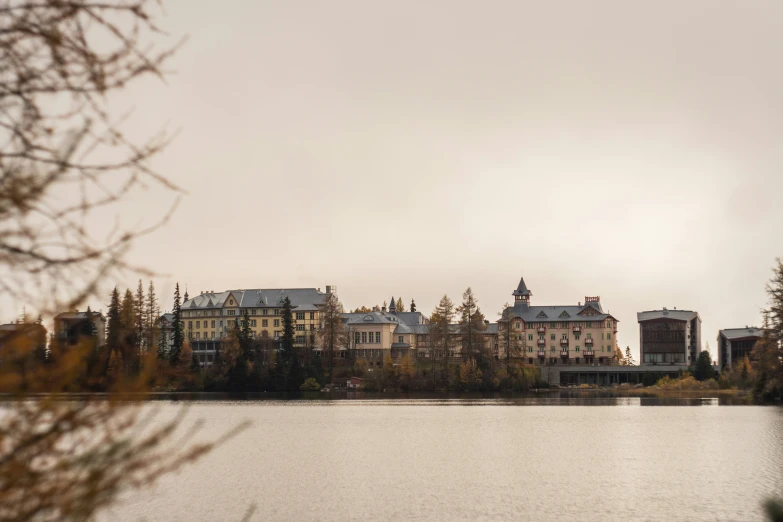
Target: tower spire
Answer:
pixel 392 305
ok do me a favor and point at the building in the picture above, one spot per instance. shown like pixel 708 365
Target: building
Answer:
pixel 670 337
pixel 34 335
pixel 69 327
pixel 734 344
pixel 208 317
pixel 556 335
pixel 373 335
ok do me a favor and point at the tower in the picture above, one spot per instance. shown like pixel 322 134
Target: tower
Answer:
pixel 392 306
pixel 522 294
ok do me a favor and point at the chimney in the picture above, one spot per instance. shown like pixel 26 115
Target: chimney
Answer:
pixel 383 308
pixel 328 289
pixel 579 303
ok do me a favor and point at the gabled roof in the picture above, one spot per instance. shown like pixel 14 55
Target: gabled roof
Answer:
pixel 521 288
pixel 532 314
pixel 301 298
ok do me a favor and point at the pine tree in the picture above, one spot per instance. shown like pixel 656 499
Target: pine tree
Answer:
pixel 138 319
pixel 151 316
pixel 288 329
pixel 176 329
pixel 400 305
pixel 114 326
pixel 629 357
pixel 128 339
pixel 413 305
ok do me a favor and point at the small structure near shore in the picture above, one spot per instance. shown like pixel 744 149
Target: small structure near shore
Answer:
pixel 354 383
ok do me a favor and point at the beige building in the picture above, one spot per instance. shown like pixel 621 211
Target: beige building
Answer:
pixel 564 334
pixel 69 326
pixel 209 317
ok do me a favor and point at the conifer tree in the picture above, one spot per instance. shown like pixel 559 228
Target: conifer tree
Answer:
pixel 139 325
pixel 413 305
pixel 399 305
pixel 177 333
pixel 128 339
pixel 288 329
pixel 332 334
pixel 151 316
pixel 629 357
pixel 114 326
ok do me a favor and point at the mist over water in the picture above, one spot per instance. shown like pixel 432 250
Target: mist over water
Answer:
pixel 537 459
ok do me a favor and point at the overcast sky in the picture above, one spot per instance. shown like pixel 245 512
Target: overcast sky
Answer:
pixel 631 150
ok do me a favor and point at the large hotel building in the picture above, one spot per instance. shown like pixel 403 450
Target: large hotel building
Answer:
pixel 542 335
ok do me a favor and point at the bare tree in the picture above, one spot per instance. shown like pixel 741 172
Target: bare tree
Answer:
pixel 63 154
pixel 332 334
pixel 64 160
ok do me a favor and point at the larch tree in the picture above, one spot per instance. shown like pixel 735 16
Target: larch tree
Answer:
pixel 332 333
pixel 139 318
pixel 508 337
pixel 399 305
pixel 439 332
pixel 471 326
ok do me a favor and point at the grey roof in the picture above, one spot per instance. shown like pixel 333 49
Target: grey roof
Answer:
pixel 402 328
pixel 739 333
pixel 370 318
pixel 301 298
pixel 392 305
pixel 169 317
pixel 492 328
pixel 400 345
pixel 522 288
pixel 411 318
pixel 78 315
pixel 677 315
pixel 557 313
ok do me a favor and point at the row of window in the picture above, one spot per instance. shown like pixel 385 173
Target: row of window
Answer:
pixel 366 337
pixel 300 316
pixel 606 348
pixel 253 323
pixel 567 325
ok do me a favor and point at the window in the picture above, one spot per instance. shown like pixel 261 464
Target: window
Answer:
pixel 252 322
pixel 300 339
pixel 231 312
pixel 197 335
pixel 399 339
pixel 221 323
pixel 608 337
pixel 265 322
pixel 576 336
pixel 300 316
pixel 275 312
pixel 552 349
pixel 264 311
pixel 529 348
pixel 253 311
pixel 213 333
pixel 198 324
pixel 529 337
pixel 364 337
pixel 517 326
pixel 541 337
pixel 312 327
pixel 553 325
pixel 190 325
pixel 312 316
pixel 277 322
pixel 300 328
pixel 577 348
pixel 565 336
pixel 589 336
pixel 377 337
pixel 552 337
pixel 356 337
pixel 213 323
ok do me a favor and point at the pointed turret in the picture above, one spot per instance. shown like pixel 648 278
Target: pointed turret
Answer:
pixel 186 293
pixel 392 306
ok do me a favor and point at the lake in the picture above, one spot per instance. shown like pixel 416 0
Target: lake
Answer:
pixel 536 459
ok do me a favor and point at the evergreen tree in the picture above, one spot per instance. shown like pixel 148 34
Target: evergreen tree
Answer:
pixel 151 316
pixel 703 370
pixel 139 324
pixel 176 329
pixel 287 343
pixel 114 325
pixel 399 305
pixel 161 344
pixel 413 305
pixel 128 339
pixel 629 357
pixel 471 326
pixel 508 338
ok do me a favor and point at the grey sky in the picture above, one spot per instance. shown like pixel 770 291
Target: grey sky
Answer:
pixel 630 150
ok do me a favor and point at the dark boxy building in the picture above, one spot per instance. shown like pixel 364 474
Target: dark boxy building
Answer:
pixel 670 337
pixel 734 344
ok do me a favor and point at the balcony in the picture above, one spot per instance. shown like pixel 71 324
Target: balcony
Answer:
pixel 563 342
pixel 563 353
pixel 588 353
pixel 541 329
pixel 541 353
pixel 589 341
pixel 542 342
pixel 577 329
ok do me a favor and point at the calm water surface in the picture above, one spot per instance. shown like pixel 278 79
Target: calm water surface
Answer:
pixel 494 459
